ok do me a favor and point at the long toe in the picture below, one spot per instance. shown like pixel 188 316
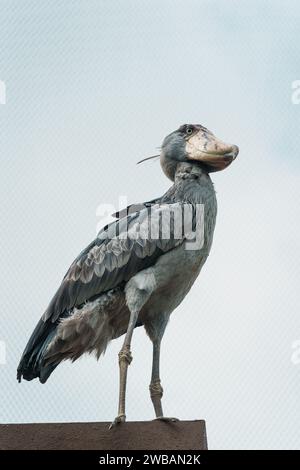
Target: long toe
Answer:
pixel 168 419
pixel 119 419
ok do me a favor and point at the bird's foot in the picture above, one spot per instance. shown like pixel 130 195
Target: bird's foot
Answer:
pixel 119 419
pixel 167 419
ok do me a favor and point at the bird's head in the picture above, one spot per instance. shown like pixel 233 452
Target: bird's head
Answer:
pixel 196 144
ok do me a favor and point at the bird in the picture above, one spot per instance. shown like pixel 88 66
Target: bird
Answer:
pixel 137 270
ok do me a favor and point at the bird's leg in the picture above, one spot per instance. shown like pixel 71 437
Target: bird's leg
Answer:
pixel 137 291
pixel 156 390
pixel 125 359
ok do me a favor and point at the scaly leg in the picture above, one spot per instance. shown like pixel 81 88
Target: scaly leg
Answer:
pixel 156 390
pixel 125 359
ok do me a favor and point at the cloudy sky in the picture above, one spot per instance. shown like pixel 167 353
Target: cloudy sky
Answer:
pixel 92 87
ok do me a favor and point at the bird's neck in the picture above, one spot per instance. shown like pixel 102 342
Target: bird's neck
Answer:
pixel 192 184
pixel 190 171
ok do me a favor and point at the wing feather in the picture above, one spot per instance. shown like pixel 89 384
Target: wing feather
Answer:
pixel 120 250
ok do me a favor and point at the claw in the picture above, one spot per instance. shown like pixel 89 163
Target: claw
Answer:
pixel 167 419
pixel 119 419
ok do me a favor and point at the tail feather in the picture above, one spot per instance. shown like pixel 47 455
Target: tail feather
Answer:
pixel 32 362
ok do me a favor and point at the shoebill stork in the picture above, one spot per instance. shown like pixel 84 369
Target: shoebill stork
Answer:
pixel 126 277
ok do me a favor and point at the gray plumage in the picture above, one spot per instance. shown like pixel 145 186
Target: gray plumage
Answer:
pixel 125 270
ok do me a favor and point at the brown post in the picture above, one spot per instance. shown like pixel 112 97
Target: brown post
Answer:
pixel 139 435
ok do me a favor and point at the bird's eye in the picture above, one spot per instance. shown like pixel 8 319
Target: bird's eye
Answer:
pixel 189 131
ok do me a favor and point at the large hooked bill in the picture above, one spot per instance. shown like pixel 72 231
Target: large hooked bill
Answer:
pixel 205 147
